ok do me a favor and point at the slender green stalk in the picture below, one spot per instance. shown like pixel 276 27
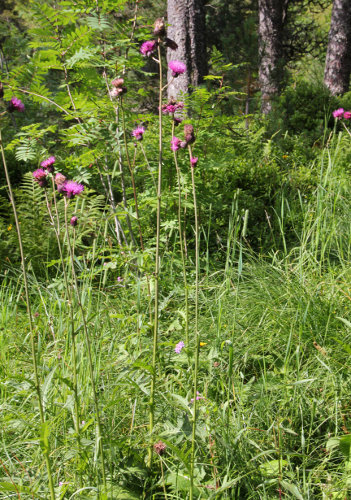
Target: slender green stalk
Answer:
pixel 182 246
pixel 70 307
pixel 46 452
pixel 88 345
pixel 196 333
pixel 157 269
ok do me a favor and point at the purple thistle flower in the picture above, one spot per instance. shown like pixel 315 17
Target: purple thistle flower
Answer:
pixel 347 115
pixel 74 221
pixel 160 447
pixel 48 164
pixel 179 347
pixel 338 113
pixel 15 105
pixel 40 176
pixel 175 143
pixel 71 188
pixel 138 133
pixel 177 121
pixel 194 161
pixel 177 68
pixel 148 48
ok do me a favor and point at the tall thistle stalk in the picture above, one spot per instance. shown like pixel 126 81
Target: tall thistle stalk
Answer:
pixel 196 331
pixel 56 227
pixel 182 245
pixel 46 451
pixel 157 266
pixel 88 346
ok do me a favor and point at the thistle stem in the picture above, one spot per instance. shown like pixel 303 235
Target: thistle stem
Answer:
pixel 157 270
pixel 88 345
pixel 182 246
pixel 46 452
pixel 196 333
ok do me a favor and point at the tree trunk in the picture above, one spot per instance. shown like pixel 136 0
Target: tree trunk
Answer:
pixel 338 60
pixel 187 28
pixel 270 31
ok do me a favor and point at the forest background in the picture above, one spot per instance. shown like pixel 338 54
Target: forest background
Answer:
pixel 179 328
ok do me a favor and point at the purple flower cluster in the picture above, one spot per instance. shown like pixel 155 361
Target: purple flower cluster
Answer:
pixel 138 133
pixel 179 347
pixel 177 68
pixel 198 397
pixel 340 113
pixel 15 105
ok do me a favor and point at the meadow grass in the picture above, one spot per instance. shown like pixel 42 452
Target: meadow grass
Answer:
pixel 273 379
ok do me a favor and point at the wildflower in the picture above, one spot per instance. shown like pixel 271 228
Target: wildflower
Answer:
pixel 189 133
pixel 177 68
pixel 71 188
pixel 15 105
pixel 9 227
pixel 179 347
pixel 148 48
pixel 119 279
pixel 40 176
pixel 175 143
pixel 202 344
pixel 159 27
pixel 60 179
pixel 160 448
pixel 48 164
pixel 198 397
pixel 338 113
pixel 347 115
pixel 74 221
pixel 193 162
pixel 172 106
pixel 138 133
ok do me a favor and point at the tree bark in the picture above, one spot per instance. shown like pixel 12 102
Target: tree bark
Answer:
pixel 338 60
pixel 187 28
pixel 270 31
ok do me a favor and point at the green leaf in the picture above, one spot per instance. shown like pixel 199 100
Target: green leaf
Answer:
pixel 271 468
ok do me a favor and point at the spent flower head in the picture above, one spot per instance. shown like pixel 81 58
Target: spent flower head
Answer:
pixel 160 448
pixel 177 68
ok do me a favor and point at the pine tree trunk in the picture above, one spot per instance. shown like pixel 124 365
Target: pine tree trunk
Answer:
pixel 338 60
pixel 187 28
pixel 270 31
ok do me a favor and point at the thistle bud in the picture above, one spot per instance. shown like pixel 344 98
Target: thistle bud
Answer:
pixel 159 27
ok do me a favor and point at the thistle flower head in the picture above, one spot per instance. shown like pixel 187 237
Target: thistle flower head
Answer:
pixel 71 188
pixel 74 221
pixel 347 115
pixel 172 106
pixel 138 133
pixel 338 113
pixel 48 164
pixel 175 143
pixel 117 82
pixel 148 48
pixel 15 105
pixel 194 161
pixel 40 176
pixel 60 179
pixel 177 68
pixel 177 121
